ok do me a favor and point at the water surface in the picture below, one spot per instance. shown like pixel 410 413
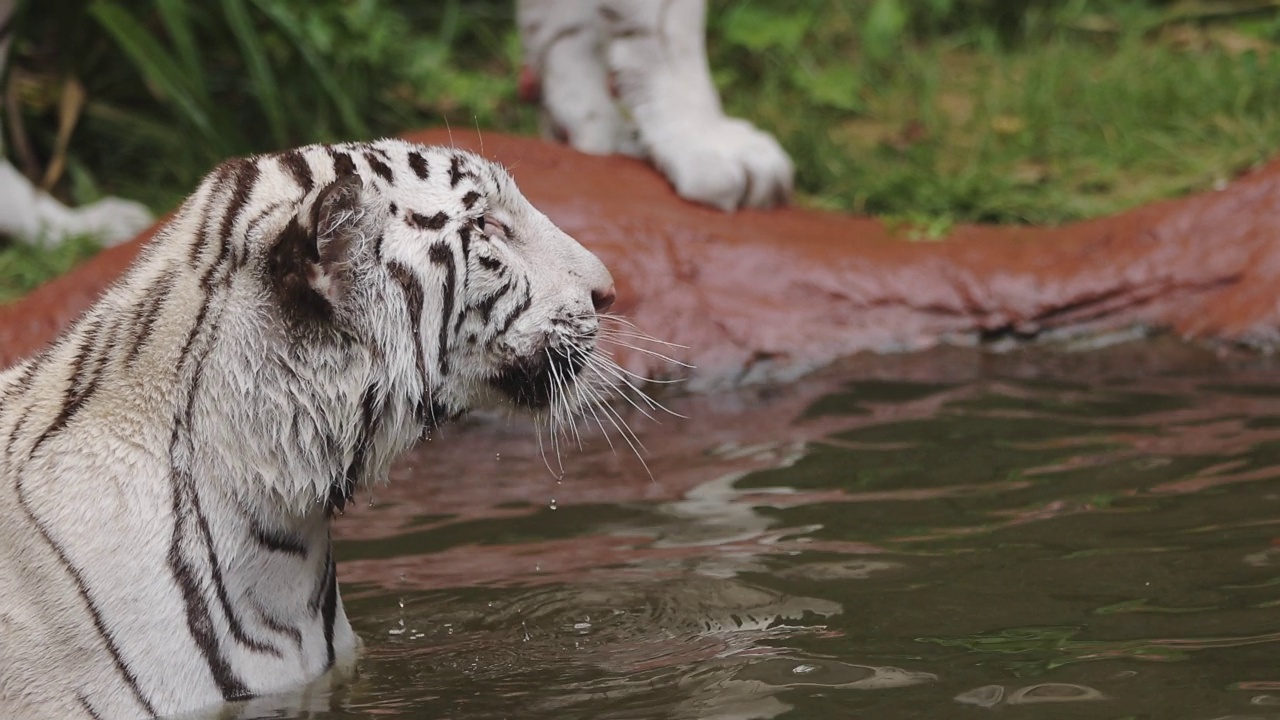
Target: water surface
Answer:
pixel 1019 536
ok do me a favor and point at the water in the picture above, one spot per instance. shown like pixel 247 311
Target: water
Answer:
pixel 1092 536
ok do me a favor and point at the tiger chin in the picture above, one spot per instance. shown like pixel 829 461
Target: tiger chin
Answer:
pixel 173 461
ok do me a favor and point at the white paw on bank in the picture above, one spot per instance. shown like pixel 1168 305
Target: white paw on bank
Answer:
pixel 632 77
pixel 30 215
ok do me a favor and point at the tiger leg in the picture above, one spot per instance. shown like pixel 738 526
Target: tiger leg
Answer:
pixel 657 55
pixel 563 47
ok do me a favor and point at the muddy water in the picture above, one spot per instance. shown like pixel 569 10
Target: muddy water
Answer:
pixel 1015 536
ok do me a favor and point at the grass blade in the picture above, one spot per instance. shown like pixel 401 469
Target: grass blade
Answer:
pixel 159 68
pixel 260 74
pixel 288 24
pixel 173 13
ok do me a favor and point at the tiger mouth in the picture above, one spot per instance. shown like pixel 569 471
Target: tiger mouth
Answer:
pixel 534 382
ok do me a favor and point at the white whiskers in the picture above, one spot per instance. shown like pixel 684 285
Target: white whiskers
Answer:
pixel 590 392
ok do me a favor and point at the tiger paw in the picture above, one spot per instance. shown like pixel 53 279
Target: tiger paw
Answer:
pixel 724 162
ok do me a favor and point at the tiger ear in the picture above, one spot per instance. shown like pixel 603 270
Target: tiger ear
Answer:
pixel 347 217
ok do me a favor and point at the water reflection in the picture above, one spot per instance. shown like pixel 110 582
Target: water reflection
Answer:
pixel 1083 543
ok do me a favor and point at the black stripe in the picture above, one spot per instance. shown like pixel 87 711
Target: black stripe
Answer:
pixel 342 490
pixel 149 312
pixel 218 183
pixel 419 165
pixel 18 427
pixel 322 582
pixel 440 255
pixel 456 173
pixel 129 678
pixel 199 621
pixel 485 306
pixel 414 297
pixel 431 417
pixel 80 386
pixel 250 228
pixel 422 222
pixel 464 237
pixel 382 169
pixel 20 387
pixel 516 313
pixel 326 601
pixel 277 540
pixel 489 263
pixel 299 169
pixel 193 500
pixel 469 200
pixel 280 627
pixel 88 709
pixel 343 165
pixel 220 586
pixel 241 192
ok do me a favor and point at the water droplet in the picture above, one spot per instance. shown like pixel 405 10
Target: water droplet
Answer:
pixel 399 629
pixel 497 456
pixel 537 567
pixel 803 669
pixel 553 503
pixel 401 601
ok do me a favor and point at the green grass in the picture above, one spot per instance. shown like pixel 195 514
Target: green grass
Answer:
pixel 23 267
pixel 1073 114
pixel 924 112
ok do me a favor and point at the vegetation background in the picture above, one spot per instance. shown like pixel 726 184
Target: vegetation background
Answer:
pixel 924 112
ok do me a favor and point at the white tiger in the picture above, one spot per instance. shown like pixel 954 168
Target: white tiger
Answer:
pixel 628 76
pixel 171 464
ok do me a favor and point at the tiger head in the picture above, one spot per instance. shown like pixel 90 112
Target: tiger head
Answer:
pixel 465 294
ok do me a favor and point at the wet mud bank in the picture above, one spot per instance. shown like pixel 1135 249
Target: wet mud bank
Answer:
pixel 767 295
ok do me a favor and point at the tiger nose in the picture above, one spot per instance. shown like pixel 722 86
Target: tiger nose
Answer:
pixel 603 299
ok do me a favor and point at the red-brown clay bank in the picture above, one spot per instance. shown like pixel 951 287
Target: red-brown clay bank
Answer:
pixel 766 294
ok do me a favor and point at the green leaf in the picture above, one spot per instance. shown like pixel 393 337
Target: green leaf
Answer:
pixel 838 87
pixel 159 68
pixel 260 74
pixel 883 29
pixel 292 29
pixel 755 28
pixel 173 13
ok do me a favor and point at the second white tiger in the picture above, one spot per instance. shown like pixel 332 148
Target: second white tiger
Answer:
pixel 170 466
